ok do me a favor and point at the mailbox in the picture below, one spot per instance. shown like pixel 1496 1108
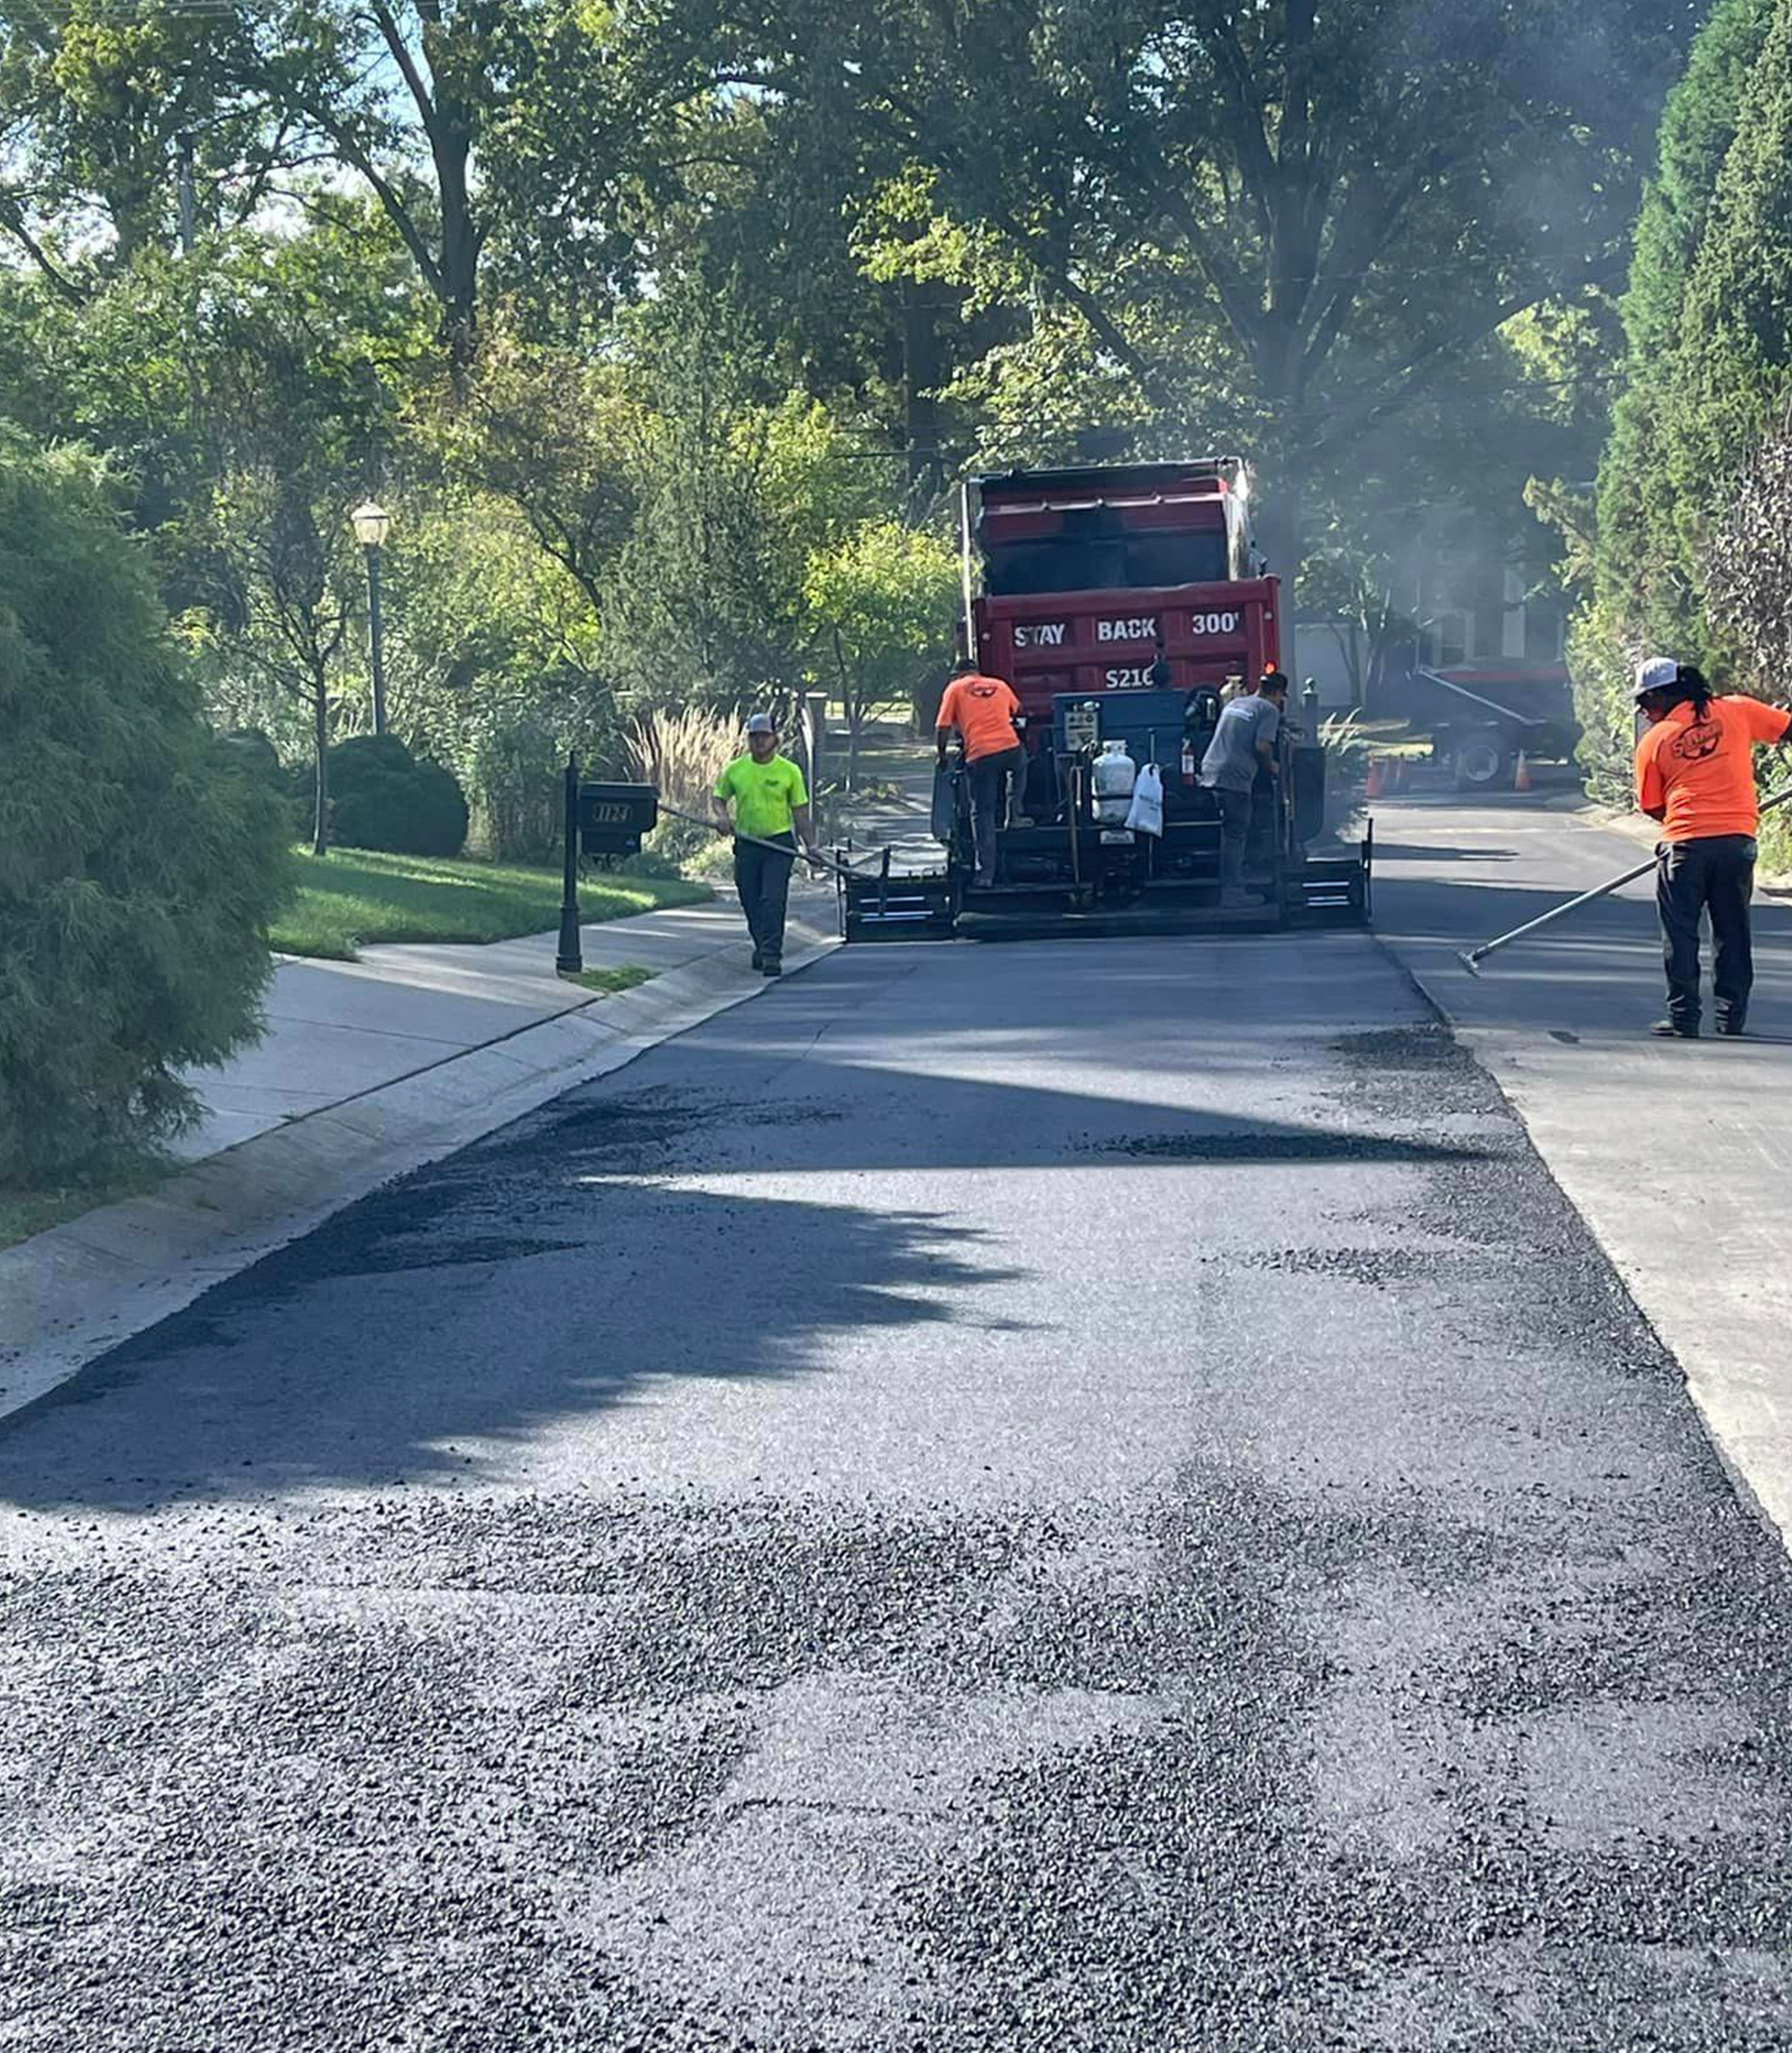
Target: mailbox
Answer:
pixel 613 817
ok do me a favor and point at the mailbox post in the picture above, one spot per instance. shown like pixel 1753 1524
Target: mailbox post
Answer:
pixel 604 820
pixel 570 960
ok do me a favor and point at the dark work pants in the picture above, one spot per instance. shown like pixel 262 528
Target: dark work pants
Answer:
pixel 988 775
pixel 1714 875
pixel 1236 812
pixel 762 877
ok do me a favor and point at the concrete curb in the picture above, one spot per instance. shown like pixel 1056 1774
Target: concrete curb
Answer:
pixel 69 1294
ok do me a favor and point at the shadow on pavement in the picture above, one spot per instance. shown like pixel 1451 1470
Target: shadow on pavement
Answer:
pixel 1598 967
pixel 1595 974
pixel 1421 852
pixel 733 1221
pixel 472 1302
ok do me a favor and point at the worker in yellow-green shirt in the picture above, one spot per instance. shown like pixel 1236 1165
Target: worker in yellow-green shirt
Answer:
pixel 770 800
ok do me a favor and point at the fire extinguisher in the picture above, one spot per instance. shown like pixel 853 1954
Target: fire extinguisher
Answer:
pixel 1188 759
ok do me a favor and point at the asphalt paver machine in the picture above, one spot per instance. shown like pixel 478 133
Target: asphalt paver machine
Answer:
pixel 1124 604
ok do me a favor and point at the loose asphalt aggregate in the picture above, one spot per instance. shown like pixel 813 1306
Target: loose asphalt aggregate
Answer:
pixel 1052 1496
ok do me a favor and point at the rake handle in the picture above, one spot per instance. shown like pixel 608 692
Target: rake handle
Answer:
pixel 1473 956
pixel 758 841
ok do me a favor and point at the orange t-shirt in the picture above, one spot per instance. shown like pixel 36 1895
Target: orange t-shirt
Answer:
pixel 1700 774
pixel 983 709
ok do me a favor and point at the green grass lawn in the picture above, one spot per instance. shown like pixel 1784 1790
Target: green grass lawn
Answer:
pixel 624 977
pixel 353 897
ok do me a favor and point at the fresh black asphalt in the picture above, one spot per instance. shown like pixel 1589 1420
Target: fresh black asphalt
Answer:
pixel 1053 1496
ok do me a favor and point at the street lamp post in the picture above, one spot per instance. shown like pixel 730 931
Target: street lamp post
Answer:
pixel 370 522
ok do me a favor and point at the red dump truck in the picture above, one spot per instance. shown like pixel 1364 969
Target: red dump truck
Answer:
pixel 1119 601
pixel 1088 581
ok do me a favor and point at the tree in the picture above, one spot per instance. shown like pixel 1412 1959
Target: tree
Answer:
pixel 1350 594
pixel 542 429
pixel 1735 347
pixel 1289 218
pixel 496 662
pixel 734 493
pixel 98 105
pixel 395 93
pixel 881 600
pixel 282 597
pixel 1644 577
pixel 332 66
pixel 1750 574
pixel 139 871
pixel 1709 319
pixel 295 355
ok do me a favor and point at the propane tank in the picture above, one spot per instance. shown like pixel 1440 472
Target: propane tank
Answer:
pixel 1115 773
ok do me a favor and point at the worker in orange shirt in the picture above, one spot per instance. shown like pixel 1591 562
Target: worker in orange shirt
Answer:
pixel 1695 773
pixel 987 717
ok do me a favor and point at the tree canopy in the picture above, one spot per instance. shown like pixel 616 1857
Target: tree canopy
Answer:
pixel 1708 320
pixel 636 317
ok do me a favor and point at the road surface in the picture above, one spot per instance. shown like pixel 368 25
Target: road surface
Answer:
pixel 1058 1496
pixel 1677 1154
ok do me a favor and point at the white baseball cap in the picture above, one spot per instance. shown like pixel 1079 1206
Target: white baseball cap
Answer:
pixel 1658 674
pixel 760 723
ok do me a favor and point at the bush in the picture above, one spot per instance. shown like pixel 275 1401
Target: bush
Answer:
pixel 137 876
pixel 248 753
pixel 648 864
pixel 511 777
pixel 382 797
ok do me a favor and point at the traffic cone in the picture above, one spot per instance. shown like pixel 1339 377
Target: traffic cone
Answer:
pixel 1522 773
pixel 1372 789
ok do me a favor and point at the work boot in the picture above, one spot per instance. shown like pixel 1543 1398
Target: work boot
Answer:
pixel 1734 1027
pixel 1676 1030
pixel 771 967
pixel 758 960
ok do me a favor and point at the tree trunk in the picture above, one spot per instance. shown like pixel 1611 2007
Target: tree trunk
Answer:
pixel 923 373
pixel 459 265
pixel 320 742
pixel 1279 539
pixel 434 74
pixel 1353 653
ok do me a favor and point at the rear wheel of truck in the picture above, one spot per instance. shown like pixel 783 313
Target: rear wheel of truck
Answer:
pixel 1483 761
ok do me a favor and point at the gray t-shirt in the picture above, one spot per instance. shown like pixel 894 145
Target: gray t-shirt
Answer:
pixel 1231 762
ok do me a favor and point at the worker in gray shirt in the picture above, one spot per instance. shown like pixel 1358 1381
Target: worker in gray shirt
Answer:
pixel 1244 745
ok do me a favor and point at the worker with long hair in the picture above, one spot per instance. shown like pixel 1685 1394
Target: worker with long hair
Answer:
pixel 1695 773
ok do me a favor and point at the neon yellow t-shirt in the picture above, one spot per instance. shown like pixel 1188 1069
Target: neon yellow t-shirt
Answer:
pixel 763 794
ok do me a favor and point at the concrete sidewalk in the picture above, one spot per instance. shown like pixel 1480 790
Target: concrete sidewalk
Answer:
pixel 1677 1154
pixel 337 1030
pixel 368 1070
pixel 901 822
